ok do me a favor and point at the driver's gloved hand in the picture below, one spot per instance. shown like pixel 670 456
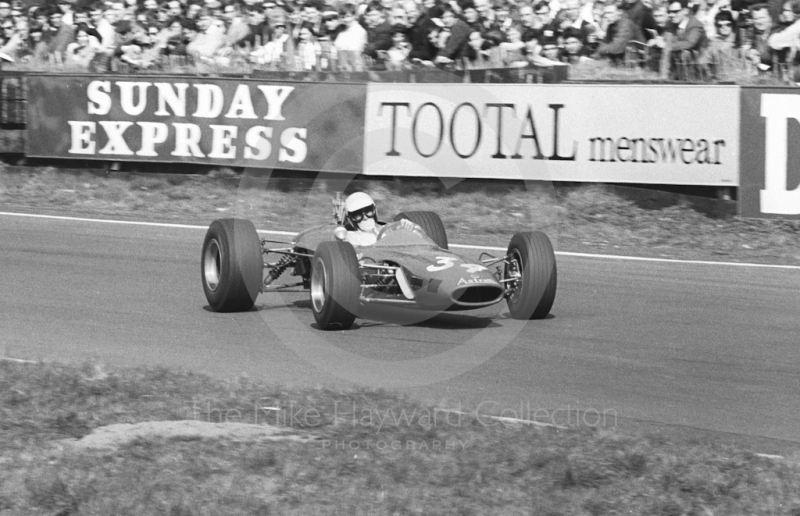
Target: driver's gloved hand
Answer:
pixel 407 224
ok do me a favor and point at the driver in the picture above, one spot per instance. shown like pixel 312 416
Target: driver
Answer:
pixel 361 220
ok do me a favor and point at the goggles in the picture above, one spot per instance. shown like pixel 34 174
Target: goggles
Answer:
pixel 363 213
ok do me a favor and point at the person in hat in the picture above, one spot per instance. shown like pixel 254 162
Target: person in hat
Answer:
pixel 331 25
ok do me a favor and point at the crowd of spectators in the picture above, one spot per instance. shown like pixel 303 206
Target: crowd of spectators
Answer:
pixel 99 35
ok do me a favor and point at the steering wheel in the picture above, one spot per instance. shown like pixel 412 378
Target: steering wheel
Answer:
pixel 387 228
pixel 396 225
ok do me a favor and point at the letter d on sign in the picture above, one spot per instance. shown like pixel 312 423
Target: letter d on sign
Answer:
pixel 775 198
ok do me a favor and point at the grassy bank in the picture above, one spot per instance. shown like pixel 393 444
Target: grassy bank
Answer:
pixel 587 218
pixel 371 452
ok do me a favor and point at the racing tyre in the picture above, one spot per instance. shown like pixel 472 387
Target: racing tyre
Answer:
pixel 335 285
pixel 430 223
pixel 532 263
pixel 231 266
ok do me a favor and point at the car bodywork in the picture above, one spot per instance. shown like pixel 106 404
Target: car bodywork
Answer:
pixel 405 267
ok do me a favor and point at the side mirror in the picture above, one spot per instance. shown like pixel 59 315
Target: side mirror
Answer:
pixel 340 233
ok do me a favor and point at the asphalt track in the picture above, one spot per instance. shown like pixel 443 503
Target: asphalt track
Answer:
pixel 697 346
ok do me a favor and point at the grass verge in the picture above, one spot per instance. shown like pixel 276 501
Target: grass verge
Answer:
pixel 373 452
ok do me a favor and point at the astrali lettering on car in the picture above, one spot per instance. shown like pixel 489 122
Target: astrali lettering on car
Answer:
pixel 474 280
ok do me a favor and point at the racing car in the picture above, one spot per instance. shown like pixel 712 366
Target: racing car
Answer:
pixel 409 268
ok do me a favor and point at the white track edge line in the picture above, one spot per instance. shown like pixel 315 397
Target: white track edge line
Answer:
pixel 460 246
pixel 17 360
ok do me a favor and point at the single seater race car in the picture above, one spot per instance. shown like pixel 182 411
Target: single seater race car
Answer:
pixel 409 268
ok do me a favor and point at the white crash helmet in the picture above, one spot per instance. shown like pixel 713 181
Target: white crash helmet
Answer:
pixel 357 206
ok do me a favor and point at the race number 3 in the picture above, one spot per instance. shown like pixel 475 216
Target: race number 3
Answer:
pixel 442 263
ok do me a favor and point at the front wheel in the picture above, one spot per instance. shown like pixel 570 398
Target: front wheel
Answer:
pixel 530 275
pixel 335 285
pixel 231 265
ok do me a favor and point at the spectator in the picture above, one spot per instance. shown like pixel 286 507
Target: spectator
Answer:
pixel 569 17
pixel 418 22
pixel 81 52
pixel 175 44
pixel 257 28
pixel 59 35
pixel 502 16
pixel 487 21
pixel 755 39
pixel 398 18
pixel 5 10
pixel 470 17
pixel 308 50
pixel 272 52
pixel 529 22
pixel 237 29
pixel 67 14
pixel 209 42
pixel 574 51
pixel 36 43
pixel 789 36
pixel 433 8
pixel 641 16
pixel 456 43
pixel 619 31
pixel 312 17
pixel 379 32
pixel 105 26
pixel 724 44
pixel 550 49
pixel 332 25
pixel 12 41
pixel 595 20
pixel 353 37
pixel 426 54
pixel 478 50
pixel 689 34
pixel 784 43
pixel 661 18
pixel 82 18
pixel 512 52
pixel 396 57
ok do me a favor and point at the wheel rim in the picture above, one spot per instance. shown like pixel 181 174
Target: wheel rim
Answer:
pixel 212 264
pixel 513 271
pixel 318 275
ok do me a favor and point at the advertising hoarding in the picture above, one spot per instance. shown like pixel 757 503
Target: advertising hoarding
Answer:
pixel 230 122
pixel 687 135
pixel 770 169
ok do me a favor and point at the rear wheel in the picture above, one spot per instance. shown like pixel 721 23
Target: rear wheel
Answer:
pixel 231 265
pixel 430 223
pixel 335 285
pixel 530 275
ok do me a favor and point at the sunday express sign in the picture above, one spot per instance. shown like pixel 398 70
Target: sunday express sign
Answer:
pixel 594 133
pixel 211 121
